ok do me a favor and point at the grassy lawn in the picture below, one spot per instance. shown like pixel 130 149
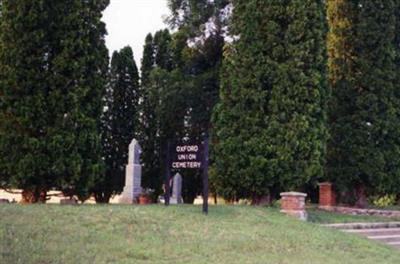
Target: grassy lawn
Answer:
pixel 323 217
pixel 179 234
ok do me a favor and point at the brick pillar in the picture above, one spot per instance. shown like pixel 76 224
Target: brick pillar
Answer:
pixel 293 204
pixel 327 195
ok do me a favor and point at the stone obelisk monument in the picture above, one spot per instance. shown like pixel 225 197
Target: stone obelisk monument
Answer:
pixel 133 175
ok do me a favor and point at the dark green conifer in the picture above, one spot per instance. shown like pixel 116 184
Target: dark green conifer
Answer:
pixel 120 122
pixel 52 66
pixel 148 133
pixel 162 110
pixel 364 120
pixel 270 125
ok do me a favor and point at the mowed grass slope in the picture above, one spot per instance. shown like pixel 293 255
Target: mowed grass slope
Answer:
pixel 178 234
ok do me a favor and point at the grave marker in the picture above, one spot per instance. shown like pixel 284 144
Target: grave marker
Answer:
pixel 177 189
pixel 133 174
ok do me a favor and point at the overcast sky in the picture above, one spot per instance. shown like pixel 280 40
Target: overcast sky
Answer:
pixel 129 21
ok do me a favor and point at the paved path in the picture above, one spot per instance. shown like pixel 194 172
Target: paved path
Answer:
pixel 390 236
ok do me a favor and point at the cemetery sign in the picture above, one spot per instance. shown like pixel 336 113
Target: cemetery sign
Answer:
pixel 190 154
pixel 187 155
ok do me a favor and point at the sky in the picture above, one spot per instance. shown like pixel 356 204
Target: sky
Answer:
pixel 129 21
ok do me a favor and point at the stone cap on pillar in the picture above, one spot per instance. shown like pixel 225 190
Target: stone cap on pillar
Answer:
pixel 293 194
pixel 324 183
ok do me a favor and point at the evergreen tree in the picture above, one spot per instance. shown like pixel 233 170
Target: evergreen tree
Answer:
pixel 198 18
pixel 270 124
pixel 148 134
pixel 200 70
pixel 147 59
pixel 120 122
pixel 84 48
pixel 364 122
pixel 203 24
pixel 395 181
pixel 162 50
pixel 342 19
pixel 52 65
pixel 162 119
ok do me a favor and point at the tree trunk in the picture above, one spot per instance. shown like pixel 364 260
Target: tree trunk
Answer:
pixel 37 195
pixel 261 200
pixel 361 197
pixel 102 197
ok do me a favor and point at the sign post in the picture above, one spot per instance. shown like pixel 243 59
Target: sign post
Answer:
pixel 167 175
pixel 205 177
pixel 192 154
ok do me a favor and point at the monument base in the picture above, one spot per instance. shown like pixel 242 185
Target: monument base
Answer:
pixel 132 188
pixel 300 214
pixel 127 200
pixel 174 200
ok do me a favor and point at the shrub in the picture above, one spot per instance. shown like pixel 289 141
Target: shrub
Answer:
pixel 384 201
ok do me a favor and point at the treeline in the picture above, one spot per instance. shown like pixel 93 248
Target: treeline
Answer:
pixel 290 93
pixel 303 101
pixel 67 116
pixel 308 93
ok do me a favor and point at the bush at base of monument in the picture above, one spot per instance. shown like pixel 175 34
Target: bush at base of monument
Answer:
pixel 145 196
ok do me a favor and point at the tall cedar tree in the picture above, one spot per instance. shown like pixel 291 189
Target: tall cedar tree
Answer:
pixel 365 132
pixel 167 86
pixel 52 66
pixel 162 117
pixel 120 122
pixel 180 88
pixel 270 125
pixel 395 181
pixel 148 132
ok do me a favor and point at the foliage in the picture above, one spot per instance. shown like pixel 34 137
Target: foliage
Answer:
pixel 384 201
pixel 147 192
pixel 270 125
pixel 198 18
pixel 198 54
pixel 364 119
pixel 180 83
pixel 148 130
pixel 180 87
pixel 162 105
pixel 119 122
pixel 53 61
